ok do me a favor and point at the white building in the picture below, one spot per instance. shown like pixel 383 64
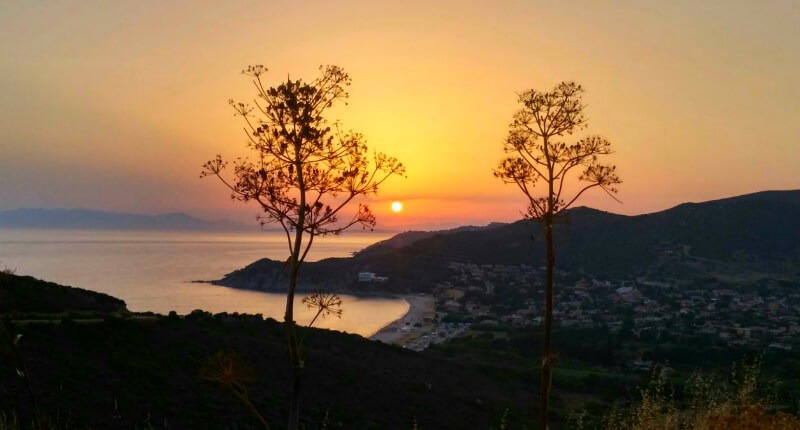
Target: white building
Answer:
pixel 370 277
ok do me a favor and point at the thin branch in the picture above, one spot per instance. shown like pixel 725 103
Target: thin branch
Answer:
pixel 565 207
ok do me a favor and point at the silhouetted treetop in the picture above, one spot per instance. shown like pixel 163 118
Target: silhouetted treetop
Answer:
pixel 301 152
pixel 539 152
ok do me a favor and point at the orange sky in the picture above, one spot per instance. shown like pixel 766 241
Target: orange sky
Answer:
pixel 115 106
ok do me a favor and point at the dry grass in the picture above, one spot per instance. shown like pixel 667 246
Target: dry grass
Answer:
pixel 740 403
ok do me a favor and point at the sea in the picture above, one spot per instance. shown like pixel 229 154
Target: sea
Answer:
pixel 154 270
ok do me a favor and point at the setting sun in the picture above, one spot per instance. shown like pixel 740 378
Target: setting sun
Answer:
pixel 397 207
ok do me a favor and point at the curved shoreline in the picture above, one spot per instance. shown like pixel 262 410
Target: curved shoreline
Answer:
pixel 403 330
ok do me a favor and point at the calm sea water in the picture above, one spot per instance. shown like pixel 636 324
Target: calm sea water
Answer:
pixel 152 271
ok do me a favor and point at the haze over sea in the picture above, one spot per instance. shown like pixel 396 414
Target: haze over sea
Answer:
pixel 153 270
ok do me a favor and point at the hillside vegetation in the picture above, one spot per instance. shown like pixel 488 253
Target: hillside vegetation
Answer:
pixel 139 370
pixel 148 371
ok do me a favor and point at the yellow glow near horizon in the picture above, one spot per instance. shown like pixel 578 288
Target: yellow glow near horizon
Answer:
pixel 397 207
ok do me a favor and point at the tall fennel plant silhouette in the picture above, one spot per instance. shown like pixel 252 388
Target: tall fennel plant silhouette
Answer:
pixel 305 174
pixel 540 163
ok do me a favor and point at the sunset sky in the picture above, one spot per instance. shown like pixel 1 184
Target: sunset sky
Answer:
pixel 116 105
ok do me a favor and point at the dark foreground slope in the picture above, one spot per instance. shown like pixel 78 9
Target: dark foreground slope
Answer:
pixel 758 231
pixel 25 294
pixel 128 372
pixel 121 373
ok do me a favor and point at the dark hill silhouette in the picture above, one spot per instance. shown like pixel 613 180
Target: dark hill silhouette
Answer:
pixel 139 369
pixel 25 294
pixel 758 231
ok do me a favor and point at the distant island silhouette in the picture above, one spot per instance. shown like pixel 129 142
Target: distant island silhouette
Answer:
pixel 74 219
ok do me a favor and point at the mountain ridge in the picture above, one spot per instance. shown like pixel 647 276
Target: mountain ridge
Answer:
pixel 757 231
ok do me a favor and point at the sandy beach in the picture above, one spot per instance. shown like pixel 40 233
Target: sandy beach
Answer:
pixel 402 331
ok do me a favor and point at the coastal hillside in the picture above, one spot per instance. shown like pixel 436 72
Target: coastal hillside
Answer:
pixel 756 232
pixel 147 371
pixel 26 295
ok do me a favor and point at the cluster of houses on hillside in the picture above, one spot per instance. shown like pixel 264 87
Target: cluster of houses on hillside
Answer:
pixel 765 313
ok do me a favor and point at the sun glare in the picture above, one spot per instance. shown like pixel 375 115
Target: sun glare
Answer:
pixel 397 207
